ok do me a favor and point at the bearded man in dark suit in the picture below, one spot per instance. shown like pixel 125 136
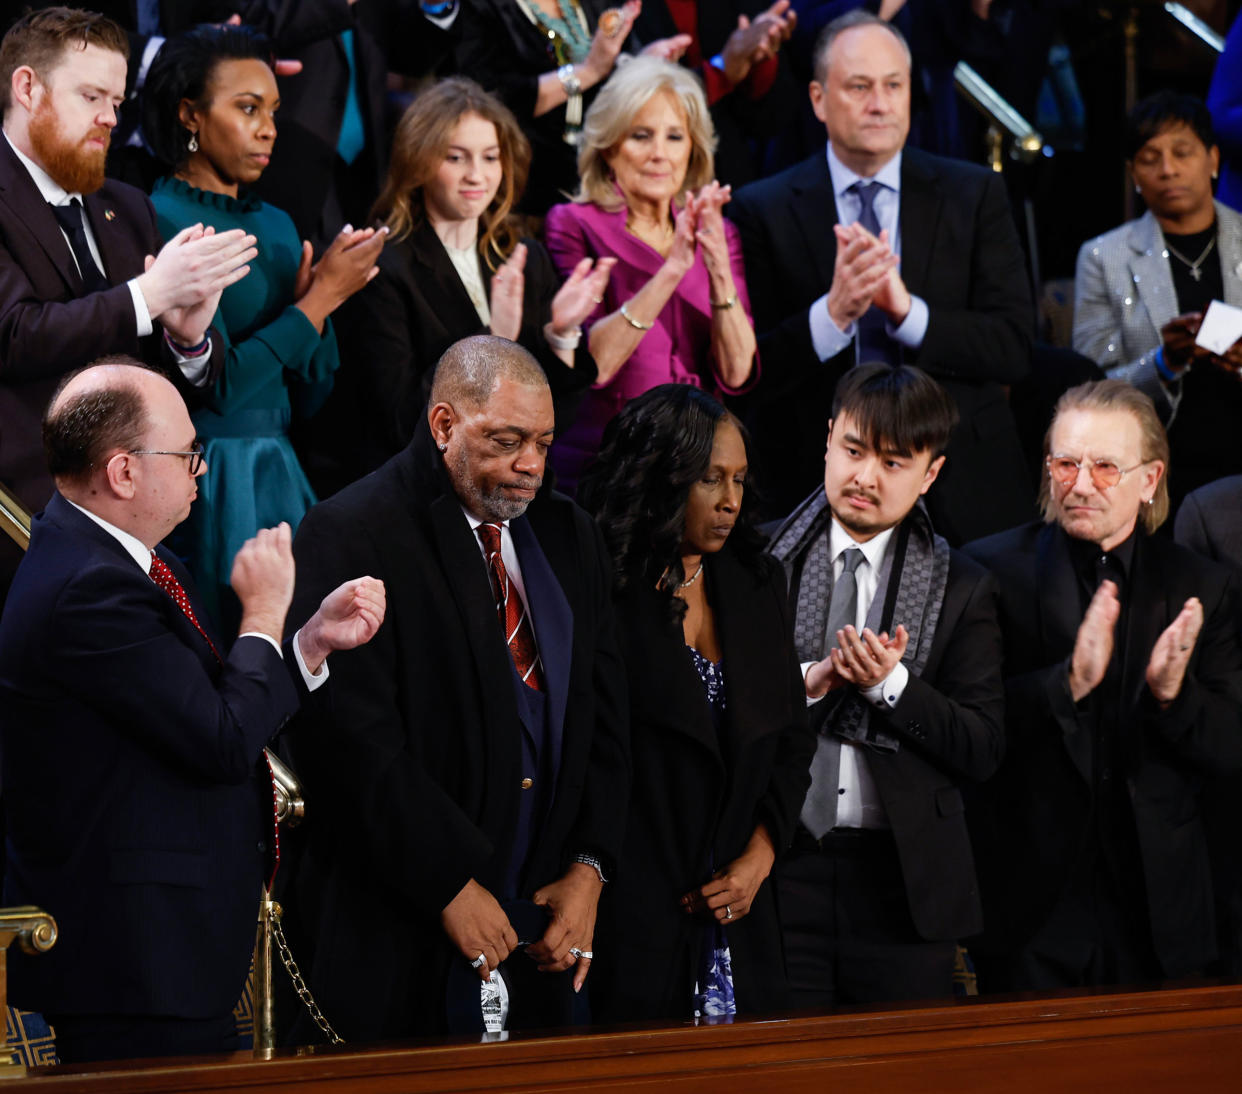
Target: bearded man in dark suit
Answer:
pixel 872 251
pixel 472 770
pixel 82 269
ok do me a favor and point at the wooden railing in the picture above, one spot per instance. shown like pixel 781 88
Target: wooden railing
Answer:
pixel 1179 1039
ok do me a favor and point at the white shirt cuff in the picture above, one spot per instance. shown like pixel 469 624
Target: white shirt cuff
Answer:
pixel 913 328
pixel 444 22
pixel 826 337
pixel 806 665
pixel 311 679
pixel 888 692
pixel 142 314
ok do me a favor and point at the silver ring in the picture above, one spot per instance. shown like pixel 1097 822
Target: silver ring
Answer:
pixel 728 912
pixel 598 299
pixel 479 961
pixel 575 952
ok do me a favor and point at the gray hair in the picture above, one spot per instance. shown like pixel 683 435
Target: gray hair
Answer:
pixel 859 17
pixel 628 90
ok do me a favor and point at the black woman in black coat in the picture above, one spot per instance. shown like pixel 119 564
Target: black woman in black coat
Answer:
pixel 720 741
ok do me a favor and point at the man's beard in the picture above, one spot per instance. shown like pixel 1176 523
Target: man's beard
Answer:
pixel 77 169
pixel 495 505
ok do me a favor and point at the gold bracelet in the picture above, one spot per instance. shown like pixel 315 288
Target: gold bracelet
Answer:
pixel 726 304
pixel 625 314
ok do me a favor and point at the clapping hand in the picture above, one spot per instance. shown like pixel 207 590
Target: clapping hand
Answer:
pixel 1166 670
pixel 707 205
pixel 581 294
pixel 506 296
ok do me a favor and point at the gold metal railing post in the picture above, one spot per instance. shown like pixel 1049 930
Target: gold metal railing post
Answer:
pixel 34 931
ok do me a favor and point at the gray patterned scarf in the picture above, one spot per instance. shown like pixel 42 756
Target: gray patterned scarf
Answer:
pixel 918 556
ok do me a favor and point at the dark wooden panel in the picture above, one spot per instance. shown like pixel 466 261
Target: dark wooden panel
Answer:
pixel 1184 1038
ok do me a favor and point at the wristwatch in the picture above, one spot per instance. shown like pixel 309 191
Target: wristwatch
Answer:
pixel 568 75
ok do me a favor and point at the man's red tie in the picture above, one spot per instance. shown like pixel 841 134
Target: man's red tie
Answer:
pixel 512 612
pixel 162 575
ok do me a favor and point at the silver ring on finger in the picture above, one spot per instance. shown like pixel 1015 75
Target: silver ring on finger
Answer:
pixel 479 961
pixel 575 952
pixel 728 912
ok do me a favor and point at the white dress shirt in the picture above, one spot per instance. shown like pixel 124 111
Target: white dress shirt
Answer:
pixel 859 804
pixel 827 338
pixel 141 554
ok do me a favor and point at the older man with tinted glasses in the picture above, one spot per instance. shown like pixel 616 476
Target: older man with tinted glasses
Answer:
pixel 1123 678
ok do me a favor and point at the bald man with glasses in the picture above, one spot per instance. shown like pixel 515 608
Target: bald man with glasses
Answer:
pixel 138 807
pixel 1123 694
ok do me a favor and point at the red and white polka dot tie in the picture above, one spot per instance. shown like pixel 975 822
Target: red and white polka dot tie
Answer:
pixel 163 576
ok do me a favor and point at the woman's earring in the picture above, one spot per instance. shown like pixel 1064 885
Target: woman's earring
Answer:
pixel 193 143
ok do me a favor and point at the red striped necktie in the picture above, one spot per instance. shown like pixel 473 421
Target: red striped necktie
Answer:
pixel 512 612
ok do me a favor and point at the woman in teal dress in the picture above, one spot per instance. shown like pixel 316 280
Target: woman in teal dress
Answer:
pixel 209 103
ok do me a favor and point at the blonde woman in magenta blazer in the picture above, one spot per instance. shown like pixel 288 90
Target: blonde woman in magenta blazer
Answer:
pixel 676 308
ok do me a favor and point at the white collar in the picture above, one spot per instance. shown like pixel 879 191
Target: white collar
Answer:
pixel 475 521
pixel 843 178
pixel 138 550
pixel 839 540
pixel 52 191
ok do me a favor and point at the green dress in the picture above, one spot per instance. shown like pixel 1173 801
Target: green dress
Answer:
pixel 276 364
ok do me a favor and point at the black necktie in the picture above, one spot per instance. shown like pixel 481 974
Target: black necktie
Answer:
pixel 874 343
pixel 70 219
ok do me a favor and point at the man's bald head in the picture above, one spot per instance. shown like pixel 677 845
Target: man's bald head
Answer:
pixel 95 411
pixel 469 371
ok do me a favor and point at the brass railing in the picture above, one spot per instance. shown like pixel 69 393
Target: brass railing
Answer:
pixel 1002 118
pixel 1196 26
pixel 14 519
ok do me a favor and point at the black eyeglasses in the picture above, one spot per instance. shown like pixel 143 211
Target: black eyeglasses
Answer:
pixel 1104 473
pixel 195 455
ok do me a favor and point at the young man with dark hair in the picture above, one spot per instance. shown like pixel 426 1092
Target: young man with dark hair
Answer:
pixel 898 634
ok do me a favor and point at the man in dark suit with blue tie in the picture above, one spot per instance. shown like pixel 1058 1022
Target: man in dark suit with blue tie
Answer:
pixel 472 763
pixel 870 250
pixel 138 810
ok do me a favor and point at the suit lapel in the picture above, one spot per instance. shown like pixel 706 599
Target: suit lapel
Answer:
pixel 814 207
pixel 918 221
pixel 554 628
pixel 465 575
pixel 27 211
pixel 102 219
pixel 1229 239
pixel 746 656
pixel 1060 615
pixel 1150 272
pixel 1147 609
pixel 444 290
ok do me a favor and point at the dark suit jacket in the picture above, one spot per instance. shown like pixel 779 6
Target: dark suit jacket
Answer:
pixel 1209 521
pixel 1038 807
pixel 47 327
pixel 412 757
pixel 133 809
pixel 393 332
pixel 960 253
pixel 698 796
pixel 950 722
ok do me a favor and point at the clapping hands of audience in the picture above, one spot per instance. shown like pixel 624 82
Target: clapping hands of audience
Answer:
pixel 755 40
pixel 346 266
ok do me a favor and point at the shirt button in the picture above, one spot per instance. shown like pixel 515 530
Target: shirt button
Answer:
pixel 527 783
pixel 841 790
pixel 262 846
